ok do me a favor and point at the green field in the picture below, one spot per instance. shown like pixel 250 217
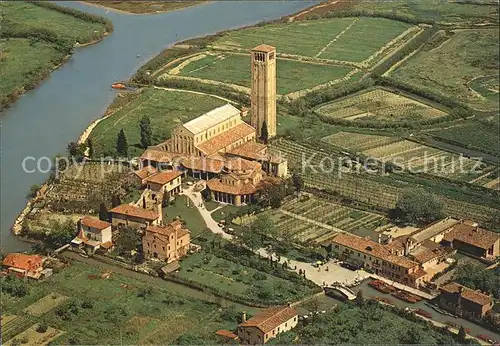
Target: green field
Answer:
pixel 291 75
pixel 308 38
pixel 449 68
pixel 166 109
pixel 379 105
pixel 19 70
pixel 31 16
pixel 189 214
pixel 117 311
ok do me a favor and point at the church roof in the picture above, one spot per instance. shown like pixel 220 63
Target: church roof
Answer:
pixel 211 118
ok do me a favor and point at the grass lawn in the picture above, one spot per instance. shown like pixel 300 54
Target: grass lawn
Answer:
pixel 166 109
pixel 192 217
pixel 235 279
pixel 32 16
pixel 19 70
pixel 364 38
pixel 235 69
pixel 117 309
pixel 211 205
pixel 448 69
pixel 223 212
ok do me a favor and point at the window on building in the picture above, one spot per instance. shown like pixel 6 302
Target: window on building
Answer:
pixel 163 248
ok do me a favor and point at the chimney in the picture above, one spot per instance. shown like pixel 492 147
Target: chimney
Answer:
pixel 243 316
pixel 160 213
pixel 243 112
pixel 407 247
pixel 379 238
pixel 389 239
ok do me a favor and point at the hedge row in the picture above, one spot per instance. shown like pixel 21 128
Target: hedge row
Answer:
pixel 75 13
pixel 373 14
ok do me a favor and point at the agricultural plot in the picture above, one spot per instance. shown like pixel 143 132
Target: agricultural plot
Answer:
pixel 343 39
pixel 292 75
pixel 358 142
pixel 380 105
pixel 45 304
pixel 454 66
pixel 32 337
pixel 166 109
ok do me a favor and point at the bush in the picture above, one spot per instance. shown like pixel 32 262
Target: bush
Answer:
pixel 14 286
pixel 42 327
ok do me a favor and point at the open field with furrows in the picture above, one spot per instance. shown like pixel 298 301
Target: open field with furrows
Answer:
pixel 312 219
pixel 358 142
pixel 440 11
pixel 17 63
pixel 379 105
pixel 145 6
pixel 291 75
pixel 116 309
pixel 453 68
pixel 344 39
pixel 476 135
pixel 31 16
pixel 166 109
pixel 376 191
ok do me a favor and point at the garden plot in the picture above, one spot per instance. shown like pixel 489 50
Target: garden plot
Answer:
pixel 358 142
pixel 45 304
pixel 380 105
pixel 32 337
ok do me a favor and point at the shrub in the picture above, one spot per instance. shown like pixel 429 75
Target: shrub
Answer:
pixel 42 327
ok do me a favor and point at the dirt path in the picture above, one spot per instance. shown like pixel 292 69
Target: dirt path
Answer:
pixel 238 88
pixel 355 20
pixel 198 93
pixel 311 9
pixel 313 222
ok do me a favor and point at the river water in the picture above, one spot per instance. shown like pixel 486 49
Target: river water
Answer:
pixel 42 122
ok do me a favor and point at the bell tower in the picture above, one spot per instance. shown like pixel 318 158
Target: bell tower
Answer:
pixel 264 89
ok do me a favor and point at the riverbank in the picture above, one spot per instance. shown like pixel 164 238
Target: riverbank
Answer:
pixel 143 7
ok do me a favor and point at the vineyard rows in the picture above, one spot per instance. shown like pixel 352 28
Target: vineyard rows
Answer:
pixel 15 326
pixel 358 142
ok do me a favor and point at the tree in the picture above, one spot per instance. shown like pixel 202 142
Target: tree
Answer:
pixel 493 222
pixel 127 240
pixel 146 133
pixel 416 206
pixel 103 212
pixel 122 144
pixel 360 300
pixel 33 191
pixel 297 182
pixel 90 146
pixel 264 225
pixel 115 201
pixel 250 239
pixel 264 134
pixel 462 335
pixel 76 151
pixel 412 336
pixel 42 327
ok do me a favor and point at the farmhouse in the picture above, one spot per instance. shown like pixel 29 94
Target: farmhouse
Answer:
pixel 472 239
pixel 23 265
pixel 127 215
pixel 167 243
pixel 267 325
pixel 165 183
pixel 144 173
pixel 464 302
pixel 93 234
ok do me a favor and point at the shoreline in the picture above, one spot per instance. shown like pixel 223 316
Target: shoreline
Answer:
pixel 116 10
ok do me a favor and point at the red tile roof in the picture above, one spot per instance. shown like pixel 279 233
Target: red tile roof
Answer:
pixel 271 318
pixel 264 48
pixel 130 210
pixel 22 261
pixel 145 172
pixel 472 235
pixel 250 150
pixel 94 223
pixel 238 164
pixel 467 293
pixel 226 334
pixel 163 177
pixel 156 155
pixel 225 139
pixel 203 164
pixel 244 189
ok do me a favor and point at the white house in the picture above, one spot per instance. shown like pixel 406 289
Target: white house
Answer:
pixel 93 234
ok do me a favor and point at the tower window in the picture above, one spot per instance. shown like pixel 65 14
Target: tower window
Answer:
pixel 271 56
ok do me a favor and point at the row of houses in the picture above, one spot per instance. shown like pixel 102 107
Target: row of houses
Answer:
pixel 415 258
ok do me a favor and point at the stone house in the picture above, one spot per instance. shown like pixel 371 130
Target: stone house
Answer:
pixel 164 183
pixel 23 265
pixel 93 234
pixel 464 301
pixel 474 240
pixel 167 243
pixel 267 325
pixel 144 173
pixel 127 215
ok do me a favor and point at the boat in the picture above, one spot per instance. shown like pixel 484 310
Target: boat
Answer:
pixel 407 296
pixel 438 309
pixel 424 313
pixel 118 86
pixel 381 286
pixel 486 338
pixel 383 300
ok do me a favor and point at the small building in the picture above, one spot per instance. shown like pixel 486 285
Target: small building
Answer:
pixel 93 234
pixel 227 336
pixel 474 240
pixel 23 265
pixel 144 173
pixel 156 158
pixel 167 243
pixel 168 183
pixel 239 182
pixel 267 325
pixel 274 165
pixel 127 215
pixel 464 301
pixel 202 167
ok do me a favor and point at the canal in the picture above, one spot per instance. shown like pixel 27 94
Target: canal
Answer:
pixel 43 121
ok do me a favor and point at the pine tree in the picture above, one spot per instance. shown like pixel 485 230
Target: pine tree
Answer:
pixel 462 335
pixel 103 212
pixel 121 144
pixel 264 135
pixel 146 133
pixel 91 147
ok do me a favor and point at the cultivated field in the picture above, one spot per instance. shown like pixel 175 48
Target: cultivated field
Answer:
pixel 358 142
pixel 379 105
pixel 130 310
pixel 292 75
pixel 18 69
pixel 312 219
pixel 344 39
pixel 31 16
pixel 453 65
pixel 166 109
